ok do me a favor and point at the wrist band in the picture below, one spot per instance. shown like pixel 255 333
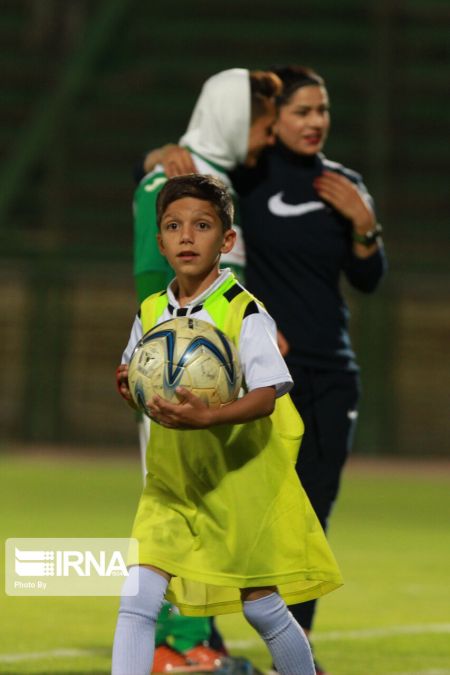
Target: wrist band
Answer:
pixel 369 238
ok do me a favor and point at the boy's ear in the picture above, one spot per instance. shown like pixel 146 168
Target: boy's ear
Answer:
pixel 229 240
pixel 160 244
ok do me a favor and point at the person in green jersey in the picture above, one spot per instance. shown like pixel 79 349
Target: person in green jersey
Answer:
pixel 223 523
pixel 231 124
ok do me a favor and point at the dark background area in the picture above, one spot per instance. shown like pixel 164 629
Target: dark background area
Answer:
pixel 88 86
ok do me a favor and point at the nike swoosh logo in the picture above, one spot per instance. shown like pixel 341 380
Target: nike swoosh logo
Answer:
pixel 279 208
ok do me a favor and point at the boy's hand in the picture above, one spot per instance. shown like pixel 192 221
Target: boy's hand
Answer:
pixel 122 381
pixel 189 413
pixel 122 384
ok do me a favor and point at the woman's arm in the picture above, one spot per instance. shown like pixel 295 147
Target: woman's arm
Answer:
pixel 367 264
pixel 175 160
pixel 345 197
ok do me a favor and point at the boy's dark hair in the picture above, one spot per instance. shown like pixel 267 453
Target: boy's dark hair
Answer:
pixel 293 78
pixel 207 188
pixel 264 86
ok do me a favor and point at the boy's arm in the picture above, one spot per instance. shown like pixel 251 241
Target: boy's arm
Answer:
pixel 192 413
pixel 122 385
pixel 122 370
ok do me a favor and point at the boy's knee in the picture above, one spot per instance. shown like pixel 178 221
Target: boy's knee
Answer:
pixel 267 614
pixel 147 602
pixel 248 594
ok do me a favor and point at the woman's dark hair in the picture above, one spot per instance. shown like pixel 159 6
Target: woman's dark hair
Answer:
pixel 264 86
pixel 207 188
pixel 293 78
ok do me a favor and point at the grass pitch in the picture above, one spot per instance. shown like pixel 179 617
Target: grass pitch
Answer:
pixel 389 532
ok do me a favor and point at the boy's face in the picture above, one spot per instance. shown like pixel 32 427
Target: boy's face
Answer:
pixel 192 238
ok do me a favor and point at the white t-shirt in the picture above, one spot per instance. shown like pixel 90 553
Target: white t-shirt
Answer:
pixel 261 361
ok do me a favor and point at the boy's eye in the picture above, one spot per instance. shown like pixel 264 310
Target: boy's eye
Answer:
pixel 202 225
pixel 171 226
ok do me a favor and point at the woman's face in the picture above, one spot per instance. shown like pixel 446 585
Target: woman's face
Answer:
pixel 303 122
pixel 261 134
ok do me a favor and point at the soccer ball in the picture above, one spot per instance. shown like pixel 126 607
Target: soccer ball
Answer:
pixel 184 352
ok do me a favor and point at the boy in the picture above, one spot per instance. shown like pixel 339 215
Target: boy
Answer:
pixel 231 123
pixel 222 514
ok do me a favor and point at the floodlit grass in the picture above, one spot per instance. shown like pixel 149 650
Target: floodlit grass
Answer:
pixel 389 532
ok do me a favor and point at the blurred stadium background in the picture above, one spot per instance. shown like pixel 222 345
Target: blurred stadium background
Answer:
pixel 88 86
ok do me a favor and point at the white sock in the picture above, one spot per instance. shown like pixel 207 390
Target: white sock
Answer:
pixel 134 639
pixel 283 636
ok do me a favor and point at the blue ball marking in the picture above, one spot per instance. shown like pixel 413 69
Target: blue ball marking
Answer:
pixel 173 371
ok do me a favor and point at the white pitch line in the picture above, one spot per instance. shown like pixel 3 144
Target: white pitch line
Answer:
pixel 50 654
pixel 382 632
pixel 363 634
pixel 410 672
pixel 434 671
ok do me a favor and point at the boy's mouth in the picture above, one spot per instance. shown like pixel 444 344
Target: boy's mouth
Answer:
pixel 187 255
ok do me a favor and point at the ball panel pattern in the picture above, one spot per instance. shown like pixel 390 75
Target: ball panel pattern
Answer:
pixel 189 353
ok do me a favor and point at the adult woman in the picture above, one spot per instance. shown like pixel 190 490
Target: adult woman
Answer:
pixel 306 221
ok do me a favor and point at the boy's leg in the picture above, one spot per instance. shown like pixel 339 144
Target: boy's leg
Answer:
pixel 134 640
pixel 285 639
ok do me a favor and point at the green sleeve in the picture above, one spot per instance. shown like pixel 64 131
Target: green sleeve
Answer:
pixel 181 632
pixel 148 283
pixel 147 257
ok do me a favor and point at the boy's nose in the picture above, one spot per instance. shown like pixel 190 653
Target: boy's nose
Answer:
pixel 186 234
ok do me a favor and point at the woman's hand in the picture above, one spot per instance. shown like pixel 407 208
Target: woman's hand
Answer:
pixel 177 161
pixel 345 197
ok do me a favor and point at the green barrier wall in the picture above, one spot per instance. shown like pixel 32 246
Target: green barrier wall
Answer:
pixel 88 87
